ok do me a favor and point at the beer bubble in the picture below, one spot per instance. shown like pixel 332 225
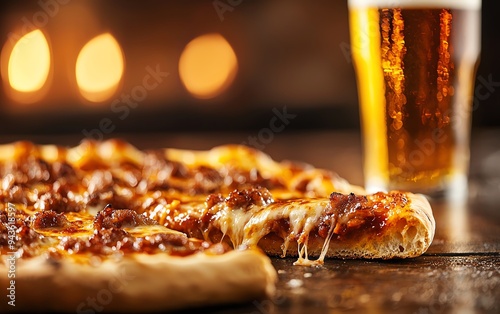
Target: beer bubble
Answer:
pixel 397 124
pixel 439 96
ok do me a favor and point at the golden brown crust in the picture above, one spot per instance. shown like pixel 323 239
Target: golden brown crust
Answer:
pixel 139 282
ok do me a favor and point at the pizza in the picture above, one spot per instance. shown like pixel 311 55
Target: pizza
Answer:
pixel 104 226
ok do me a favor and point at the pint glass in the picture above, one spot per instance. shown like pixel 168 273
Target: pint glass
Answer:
pixel 415 65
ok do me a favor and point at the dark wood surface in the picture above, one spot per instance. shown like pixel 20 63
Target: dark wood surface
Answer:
pixel 460 273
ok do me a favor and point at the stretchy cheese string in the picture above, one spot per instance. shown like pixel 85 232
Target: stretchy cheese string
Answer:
pixel 304 260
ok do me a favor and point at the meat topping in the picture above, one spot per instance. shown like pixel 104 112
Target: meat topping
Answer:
pixel 120 218
pixel 245 198
pixel 49 219
pixel 350 212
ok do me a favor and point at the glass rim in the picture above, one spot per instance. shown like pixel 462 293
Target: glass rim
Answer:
pixel 452 4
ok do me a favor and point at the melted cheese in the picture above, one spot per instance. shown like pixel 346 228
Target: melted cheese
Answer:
pixel 232 222
pixel 246 228
pixel 143 231
pixel 305 261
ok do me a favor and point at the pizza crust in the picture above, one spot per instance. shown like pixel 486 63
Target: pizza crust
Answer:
pixel 140 282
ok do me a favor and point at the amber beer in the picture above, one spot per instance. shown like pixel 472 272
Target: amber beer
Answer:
pixel 415 63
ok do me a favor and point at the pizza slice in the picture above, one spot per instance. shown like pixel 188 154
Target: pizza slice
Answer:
pixel 288 209
pixel 178 221
pixel 119 261
pixel 381 225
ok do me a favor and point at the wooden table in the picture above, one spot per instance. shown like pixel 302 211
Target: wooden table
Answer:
pixel 460 273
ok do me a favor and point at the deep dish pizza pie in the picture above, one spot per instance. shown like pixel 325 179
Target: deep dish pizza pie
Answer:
pixel 105 226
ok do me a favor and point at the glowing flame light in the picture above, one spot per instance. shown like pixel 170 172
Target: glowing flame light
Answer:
pixel 29 63
pixel 99 68
pixel 207 66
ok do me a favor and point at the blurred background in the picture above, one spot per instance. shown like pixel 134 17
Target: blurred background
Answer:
pixel 98 68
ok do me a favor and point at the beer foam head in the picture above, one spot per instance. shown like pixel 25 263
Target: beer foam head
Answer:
pixel 449 4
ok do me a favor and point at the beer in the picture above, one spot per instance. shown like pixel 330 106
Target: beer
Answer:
pixel 415 63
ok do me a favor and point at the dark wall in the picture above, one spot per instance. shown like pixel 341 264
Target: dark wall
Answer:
pixel 292 53
pixel 488 109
